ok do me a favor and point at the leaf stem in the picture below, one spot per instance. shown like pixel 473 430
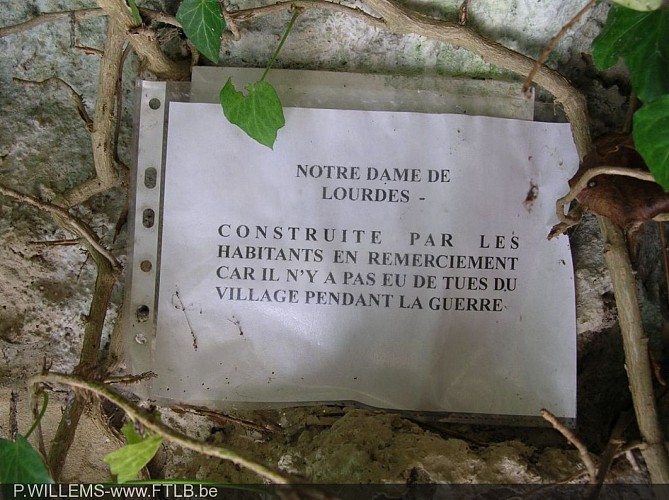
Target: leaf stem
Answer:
pixel 39 417
pixel 283 40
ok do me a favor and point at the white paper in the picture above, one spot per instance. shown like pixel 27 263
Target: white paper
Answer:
pixel 478 227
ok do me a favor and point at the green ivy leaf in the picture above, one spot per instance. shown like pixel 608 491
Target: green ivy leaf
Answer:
pixel 20 463
pixel 203 24
pixel 135 11
pixel 643 5
pixel 131 435
pixel 651 139
pixel 126 462
pixel 259 113
pixel 642 40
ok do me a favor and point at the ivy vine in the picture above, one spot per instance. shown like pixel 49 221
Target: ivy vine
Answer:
pixel 641 38
pixel 259 113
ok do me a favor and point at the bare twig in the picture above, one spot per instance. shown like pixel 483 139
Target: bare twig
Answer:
pixel 91 51
pixel 144 43
pixel 13 422
pixel 119 110
pixel 115 354
pixel 159 17
pixel 229 21
pixel 625 450
pixel 102 135
pixel 79 15
pixel 635 344
pixel 117 132
pixel 37 411
pixel 64 436
pixel 130 379
pixel 221 419
pixel 631 446
pixel 253 13
pixel 74 95
pixel 89 363
pixel 50 17
pixel 572 218
pixel 632 461
pixel 150 422
pixel 107 266
pixel 612 449
pixel 72 223
pixel 551 45
pixel 56 243
pixel 463 13
pixel 586 458
pixel 83 265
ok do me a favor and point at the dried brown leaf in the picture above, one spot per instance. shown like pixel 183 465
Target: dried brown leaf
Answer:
pixel 627 201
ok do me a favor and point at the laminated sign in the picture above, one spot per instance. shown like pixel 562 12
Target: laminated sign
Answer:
pixel 384 256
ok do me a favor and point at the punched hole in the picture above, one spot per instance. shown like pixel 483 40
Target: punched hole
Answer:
pixel 150 176
pixel 145 266
pixel 142 313
pixel 148 217
pixel 154 103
